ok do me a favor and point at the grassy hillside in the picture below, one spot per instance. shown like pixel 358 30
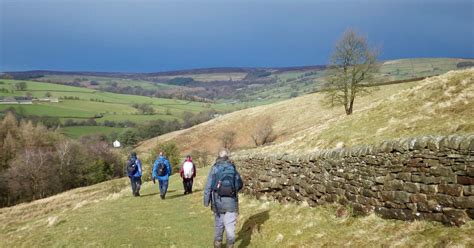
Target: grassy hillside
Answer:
pixel 107 215
pixel 97 100
pixel 76 132
pixel 103 81
pixel 85 81
pixel 437 105
pixel 299 82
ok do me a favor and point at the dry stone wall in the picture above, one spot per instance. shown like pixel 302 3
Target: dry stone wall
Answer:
pixel 424 178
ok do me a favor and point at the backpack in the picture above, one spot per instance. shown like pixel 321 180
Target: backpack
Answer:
pixel 161 168
pixel 188 169
pixel 224 182
pixel 132 167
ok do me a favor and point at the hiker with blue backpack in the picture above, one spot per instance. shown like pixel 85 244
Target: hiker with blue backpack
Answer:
pixel 134 172
pixel 161 172
pixel 223 184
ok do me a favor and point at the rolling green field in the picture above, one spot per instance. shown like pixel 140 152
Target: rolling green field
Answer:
pixel 105 81
pixel 91 102
pixel 101 106
pixel 76 132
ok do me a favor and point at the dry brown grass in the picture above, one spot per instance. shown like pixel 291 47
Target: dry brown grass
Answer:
pixel 31 212
pixel 437 105
pixel 270 224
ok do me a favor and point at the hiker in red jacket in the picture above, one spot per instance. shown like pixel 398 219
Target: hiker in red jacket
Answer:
pixel 188 173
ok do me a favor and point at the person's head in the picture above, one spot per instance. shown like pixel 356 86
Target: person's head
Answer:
pixel 223 154
pixel 162 153
pixel 188 158
pixel 133 155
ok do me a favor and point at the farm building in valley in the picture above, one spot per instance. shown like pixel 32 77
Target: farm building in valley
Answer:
pixel 16 100
pixel 26 100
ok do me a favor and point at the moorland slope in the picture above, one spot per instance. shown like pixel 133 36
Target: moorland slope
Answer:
pixel 437 105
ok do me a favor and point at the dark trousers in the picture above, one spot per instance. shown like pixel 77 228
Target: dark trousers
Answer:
pixel 136 183
pixel 163 187
pixel 188 185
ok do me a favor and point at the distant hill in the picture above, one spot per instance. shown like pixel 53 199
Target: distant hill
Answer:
pixel 236 84
pixel 164 73
pixel 436 105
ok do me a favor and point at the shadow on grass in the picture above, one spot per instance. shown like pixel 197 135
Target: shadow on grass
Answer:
pixel 151 194
pixel 254 222
pixel 180 195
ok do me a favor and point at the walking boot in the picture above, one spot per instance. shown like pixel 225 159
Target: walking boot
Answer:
pixel 217 244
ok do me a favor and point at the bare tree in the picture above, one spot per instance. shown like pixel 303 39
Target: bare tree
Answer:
pixel 201 158
pixel 263 132
pixel 32 175
pixel 352 64
pixel 228 139
pixel 63 153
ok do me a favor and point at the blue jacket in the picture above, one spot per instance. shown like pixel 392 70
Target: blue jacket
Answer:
pixel 168 168
pixel 221 204
pixel 139 171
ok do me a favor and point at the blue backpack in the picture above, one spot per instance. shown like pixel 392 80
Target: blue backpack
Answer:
pixel 161 169
pixel 224 182
pixel 132 167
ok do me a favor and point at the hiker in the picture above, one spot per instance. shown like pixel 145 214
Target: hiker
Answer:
pixel 134 171
pixel 223 184
pixel 188 173
pixel 161 172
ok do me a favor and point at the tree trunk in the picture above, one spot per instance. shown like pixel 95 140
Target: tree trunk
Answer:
pixel 349 111
pixel 350 107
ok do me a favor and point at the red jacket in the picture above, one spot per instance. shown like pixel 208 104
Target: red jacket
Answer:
pixel 181 171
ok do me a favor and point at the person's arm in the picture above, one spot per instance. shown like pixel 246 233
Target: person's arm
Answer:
pixel 238 181
pixel 207 188
pixel 194 171
pixel 154 176
pixel 168 164
pixel 139 164
pixel 126 170
pixel 181 170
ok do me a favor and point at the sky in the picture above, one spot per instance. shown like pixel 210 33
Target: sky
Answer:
pixel 152 36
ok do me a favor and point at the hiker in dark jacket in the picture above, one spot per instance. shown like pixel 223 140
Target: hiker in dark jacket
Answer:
pixel 134 171
pixel 223 184
pixel 161 172
pixel 188 173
